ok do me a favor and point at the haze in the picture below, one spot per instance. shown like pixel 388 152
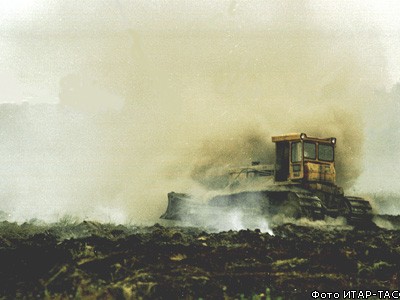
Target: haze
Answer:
pixel 109 105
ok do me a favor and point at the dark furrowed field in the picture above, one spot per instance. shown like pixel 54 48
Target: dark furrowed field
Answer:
pixel 93 260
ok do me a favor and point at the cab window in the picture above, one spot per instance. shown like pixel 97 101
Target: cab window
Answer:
pixel 309 150
pixel 325 152
pixel 296 151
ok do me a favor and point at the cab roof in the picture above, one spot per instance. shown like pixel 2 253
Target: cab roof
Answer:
pixel 300 136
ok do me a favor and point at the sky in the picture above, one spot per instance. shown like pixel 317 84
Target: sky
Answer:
pixel 153 91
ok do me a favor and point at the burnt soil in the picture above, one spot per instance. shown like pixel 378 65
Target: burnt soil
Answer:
pixel 93 260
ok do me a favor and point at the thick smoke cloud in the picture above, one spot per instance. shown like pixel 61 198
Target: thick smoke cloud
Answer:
pixel 144 110
pixel 216 156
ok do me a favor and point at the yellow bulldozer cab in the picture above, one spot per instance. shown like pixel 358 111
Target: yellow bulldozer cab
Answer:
pixel 303 158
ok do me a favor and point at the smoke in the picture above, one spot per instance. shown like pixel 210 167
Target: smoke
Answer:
pixel 149 107
pixel 326 224
pixel 240 147
pixel 217 155
pixel 224 219
pixel 383 223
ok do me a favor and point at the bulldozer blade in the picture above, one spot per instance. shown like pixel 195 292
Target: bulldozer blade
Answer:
pixel 179 205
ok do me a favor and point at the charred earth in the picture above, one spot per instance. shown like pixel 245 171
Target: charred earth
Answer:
pixel 88 259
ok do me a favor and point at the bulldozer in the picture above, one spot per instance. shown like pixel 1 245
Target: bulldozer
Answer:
pixel 301 183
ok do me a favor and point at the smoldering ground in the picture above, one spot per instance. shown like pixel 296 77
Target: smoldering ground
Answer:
pixel 144 110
